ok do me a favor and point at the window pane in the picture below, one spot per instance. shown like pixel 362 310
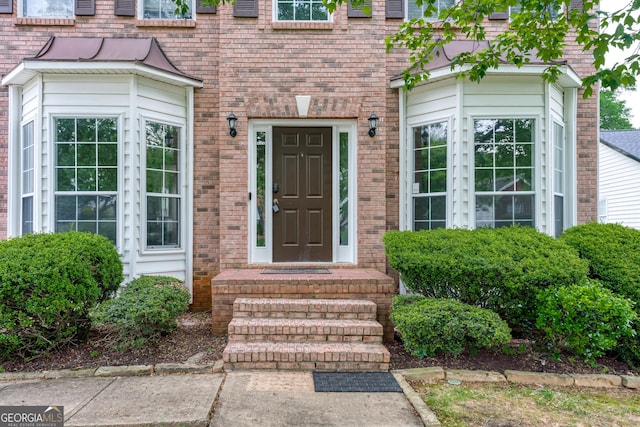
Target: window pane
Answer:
pixel 430 175
pixel 484 155
pixel 163 9
pixel 27 215
pixel 79 153
pixel 484 179
pixel 344 188
pixel 303 10
pixel 107 155
pixel 261 139
pixel 154 181
pixel 48 8
pixel 558 203
pixel 65 130
pixel 163 221
pixel 87 179
pixel 65 208
pixel 86 154
pixel 66 154
pixel 107 130
pixel 524 154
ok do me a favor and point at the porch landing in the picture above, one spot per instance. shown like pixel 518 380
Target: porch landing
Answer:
pixel 336 283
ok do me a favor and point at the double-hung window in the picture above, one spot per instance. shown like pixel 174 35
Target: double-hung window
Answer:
pixel 429 197
pixel 48 8
pixel 86 170
pixel 415 11
pixel 558 177
pixel 163 195
pixel 504 172
pixel 301 10
pixel 27 178
pixel 164 9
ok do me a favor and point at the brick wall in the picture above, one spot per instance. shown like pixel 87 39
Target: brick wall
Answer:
pixel 255 68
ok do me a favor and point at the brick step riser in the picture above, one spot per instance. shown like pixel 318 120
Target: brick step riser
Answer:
pixel 313 357
pixel 311 366
pixel 302 315
pixel 369 339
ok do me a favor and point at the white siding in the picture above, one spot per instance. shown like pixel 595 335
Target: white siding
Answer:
pixel 168 104
pixel 130 99
pixel 618 178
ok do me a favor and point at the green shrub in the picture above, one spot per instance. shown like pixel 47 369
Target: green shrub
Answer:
pixel 499 269
pixel 48 284
pixel 431 326
pixel 146 309
pixel 613 253
pixel 628 348
pixel 587 319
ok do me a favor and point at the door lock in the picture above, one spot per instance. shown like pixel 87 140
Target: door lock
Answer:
pixel 276 206
pixel 276 187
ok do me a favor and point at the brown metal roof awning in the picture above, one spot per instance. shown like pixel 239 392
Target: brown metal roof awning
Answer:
pixel 80 53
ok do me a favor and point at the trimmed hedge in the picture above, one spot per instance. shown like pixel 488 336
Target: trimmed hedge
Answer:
pixel 431 326
pixel 499 269
pixel 48 284
pixel 146 309
pixel 587 319
pixel 613 253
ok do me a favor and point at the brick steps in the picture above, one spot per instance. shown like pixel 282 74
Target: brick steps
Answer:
pixel 308 334
pixel 322 330
pixel 306 356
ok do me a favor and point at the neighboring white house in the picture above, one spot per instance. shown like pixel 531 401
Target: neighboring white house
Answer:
pixel 619 177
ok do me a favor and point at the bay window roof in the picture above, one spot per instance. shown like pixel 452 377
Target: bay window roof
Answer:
pixel 103 55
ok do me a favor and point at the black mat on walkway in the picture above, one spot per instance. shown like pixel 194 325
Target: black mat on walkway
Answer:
pixel 365 382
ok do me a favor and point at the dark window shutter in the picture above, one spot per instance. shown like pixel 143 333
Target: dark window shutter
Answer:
pixel 395 9
pixel 246 9
pixel 200 8
pixel 85 7
pixel 125 7
pixel 499 15
pixel 6 6
pixel 358 13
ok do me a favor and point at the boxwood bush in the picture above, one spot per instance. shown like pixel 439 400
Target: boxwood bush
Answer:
pixel 145 310
pixel 431 326
pixel 48 284
pixel 613 253
pixel 586 319
pixel 499 269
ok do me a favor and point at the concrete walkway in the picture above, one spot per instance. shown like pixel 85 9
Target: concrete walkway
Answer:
pixel 239 398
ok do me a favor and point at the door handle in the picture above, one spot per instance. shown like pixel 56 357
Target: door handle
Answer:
pixel 276 206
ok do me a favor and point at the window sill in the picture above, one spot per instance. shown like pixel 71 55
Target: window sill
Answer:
pixel 175 23
pixel 302 25
pixel 45 21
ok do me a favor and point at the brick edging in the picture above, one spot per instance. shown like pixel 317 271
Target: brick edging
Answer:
pixel 521 377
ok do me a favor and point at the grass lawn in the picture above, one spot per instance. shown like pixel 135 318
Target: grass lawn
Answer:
pixel 487 405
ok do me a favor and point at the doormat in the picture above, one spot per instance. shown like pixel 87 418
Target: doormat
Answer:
pixel 355 382
pixel 296 271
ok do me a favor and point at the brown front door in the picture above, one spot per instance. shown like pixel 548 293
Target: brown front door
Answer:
pixel 302 194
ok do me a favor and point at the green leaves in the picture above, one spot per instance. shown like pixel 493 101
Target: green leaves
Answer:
pixel 443 326
pixel 585 318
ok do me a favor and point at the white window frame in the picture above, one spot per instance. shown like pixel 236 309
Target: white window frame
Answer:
pixel 276 18
pixel 53 163
pixel 559 188
pixel 341 253
pixel 183 163
pixel 191 14
pixel 23 192
pixel 22 12
pixel 432 18
pixel 537 119
pixel 411 194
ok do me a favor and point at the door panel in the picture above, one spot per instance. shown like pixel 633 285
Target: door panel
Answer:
pixel 302 170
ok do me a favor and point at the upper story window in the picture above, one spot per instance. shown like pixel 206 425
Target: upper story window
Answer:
pixel 554 9
pixel 301 10
pixel 164 9
pixel 415 11
pixel 48 8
